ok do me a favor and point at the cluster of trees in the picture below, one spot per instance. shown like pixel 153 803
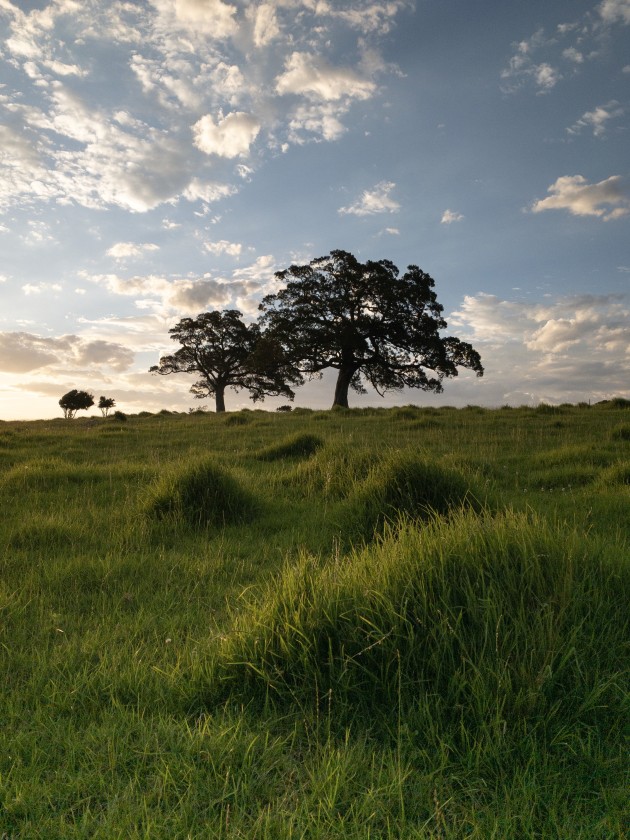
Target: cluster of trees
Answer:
pixel 364 320
pixel 75 401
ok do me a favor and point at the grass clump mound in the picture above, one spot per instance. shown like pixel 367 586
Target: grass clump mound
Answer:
pixel 617 474
pixel 297 446
pixel 333 473
pixel 499 627
pixel 201 494
pixel 404 485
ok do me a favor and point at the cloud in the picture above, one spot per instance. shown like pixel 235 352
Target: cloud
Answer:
pixel 376 200
pixel 266 27
pixel 230 137
pixel 126 250
pixel 210 18
pixel 322 120
pixel 309 75
pixel 609 199
pixel 567 349
pixel 522 67
pixel 615 10
pixel 21 352
pixel 233 249
pixel 449 216
pixel 572 54
pixel 597 118
pixel 38 288
pixel 170 296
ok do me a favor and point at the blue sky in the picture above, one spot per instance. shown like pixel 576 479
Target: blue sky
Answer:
pixel 159 158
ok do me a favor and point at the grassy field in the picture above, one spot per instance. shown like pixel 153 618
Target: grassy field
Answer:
pixel 404 623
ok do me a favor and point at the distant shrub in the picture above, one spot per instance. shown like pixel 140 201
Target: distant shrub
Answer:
pixel 165 412
pixel 119 415
pixel 200 494
pixel 284 408
pixel 145 414
pixel 298 446
pixel 615 402
pixel 302 410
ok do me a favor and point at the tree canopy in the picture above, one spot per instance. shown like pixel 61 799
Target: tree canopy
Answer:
pixel 367 322
pixel 75 401
pixel 105 403
pixel 227 353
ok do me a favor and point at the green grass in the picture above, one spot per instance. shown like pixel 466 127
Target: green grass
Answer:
pixel 352 624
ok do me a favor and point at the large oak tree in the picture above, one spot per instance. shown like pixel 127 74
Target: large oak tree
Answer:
pixel 367 322
pixel 227 353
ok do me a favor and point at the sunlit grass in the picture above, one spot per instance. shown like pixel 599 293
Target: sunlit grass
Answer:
pixel 189 675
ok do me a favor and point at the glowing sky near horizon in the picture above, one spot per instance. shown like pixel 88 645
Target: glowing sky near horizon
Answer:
pixel 159 158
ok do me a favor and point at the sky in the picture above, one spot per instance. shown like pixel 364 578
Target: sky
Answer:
pixel 162 158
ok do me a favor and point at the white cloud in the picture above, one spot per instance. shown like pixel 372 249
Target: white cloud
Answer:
pixel 233 249
pixel 450 216
pixel 546 76
pixel 230 137
pixel 125 250
pixel 210 18
pixel 597 118
pixel 266 27
pixel 310 76
pixel 207 191
pixel 38 288
pixel 322 120
pixel 609 199
pixel 574 55
pixel 376 200
pixel 615 10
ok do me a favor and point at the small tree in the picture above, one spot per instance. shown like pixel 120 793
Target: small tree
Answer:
pixel 366 322
pixel 75 401
pixel 105 403
pixel 227 353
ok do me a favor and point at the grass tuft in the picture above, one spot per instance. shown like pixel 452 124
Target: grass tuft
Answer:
pixel 408 485
pixel 199 494
pixel 297 446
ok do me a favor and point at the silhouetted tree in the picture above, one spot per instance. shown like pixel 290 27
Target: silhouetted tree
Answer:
pixel 105 403
pixel 367 322
pixel 227 353
pixel 75 401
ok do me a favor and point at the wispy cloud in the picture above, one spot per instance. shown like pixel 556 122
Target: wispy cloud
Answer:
pixel 598 118
pixel 451 216
pixel 371 202
pixel 131 250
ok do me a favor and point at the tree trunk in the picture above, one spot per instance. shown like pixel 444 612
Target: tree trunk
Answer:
pixel 219 395
pixel 343 383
